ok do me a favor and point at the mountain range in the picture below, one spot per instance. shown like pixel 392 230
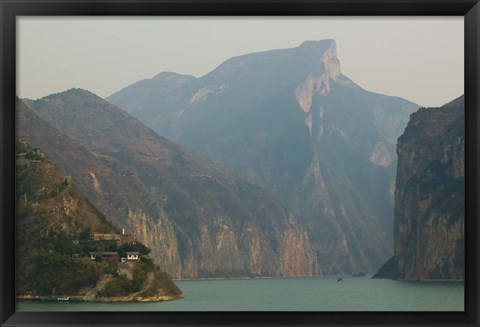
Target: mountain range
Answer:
pixel 290 121
pixel 198 219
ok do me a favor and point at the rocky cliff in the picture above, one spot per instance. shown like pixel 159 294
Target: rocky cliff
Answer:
pixel 289 120
pixel 430 196
pixel 198 219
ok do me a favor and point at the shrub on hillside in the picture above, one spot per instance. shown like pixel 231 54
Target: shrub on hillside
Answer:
pixel 56 274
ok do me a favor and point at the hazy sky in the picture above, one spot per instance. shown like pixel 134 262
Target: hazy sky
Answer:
pixel 418 58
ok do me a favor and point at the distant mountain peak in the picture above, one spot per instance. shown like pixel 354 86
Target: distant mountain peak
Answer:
pixel 324 51
pixel 314 45
pixel 172 75
pixel 157 86
pixel 70 92
pixel 310 52
pixel 318 52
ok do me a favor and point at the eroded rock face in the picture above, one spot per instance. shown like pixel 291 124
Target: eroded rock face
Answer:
pixel 331 62
pixel 380 155
pixel 305 92
pixel 320 84
pixel 160 237
pixel 429 197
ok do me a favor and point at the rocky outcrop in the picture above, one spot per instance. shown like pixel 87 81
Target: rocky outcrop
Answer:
pixel 198 219
pixel 430 196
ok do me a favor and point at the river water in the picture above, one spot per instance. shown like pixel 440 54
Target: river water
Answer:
pixel 291 294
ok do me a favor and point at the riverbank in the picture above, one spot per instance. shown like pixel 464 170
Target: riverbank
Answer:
pixel 431 280
pixel 222 278
pixel 115 299
pixel 157 298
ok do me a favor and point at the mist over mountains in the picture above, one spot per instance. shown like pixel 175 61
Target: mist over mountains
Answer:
pixel 290 121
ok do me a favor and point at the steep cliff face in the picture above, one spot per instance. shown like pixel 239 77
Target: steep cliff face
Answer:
pixel 430 196
pixel 290 121
pixel 198 219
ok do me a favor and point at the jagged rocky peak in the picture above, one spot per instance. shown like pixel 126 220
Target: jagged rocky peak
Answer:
pixel 324 51
pixel 313 53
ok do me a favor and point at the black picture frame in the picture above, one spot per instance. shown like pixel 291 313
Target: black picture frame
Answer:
pixel 10 9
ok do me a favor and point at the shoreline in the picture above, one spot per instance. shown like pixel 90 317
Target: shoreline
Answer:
pixel 219 278
pixel 81 299
pixel 246 277
pixel 369 276
pixel 138 299
pixel 431 280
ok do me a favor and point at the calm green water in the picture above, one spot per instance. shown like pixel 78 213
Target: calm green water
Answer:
pixel 291 294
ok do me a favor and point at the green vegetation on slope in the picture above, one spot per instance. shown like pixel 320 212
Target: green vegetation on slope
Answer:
pixel 54 237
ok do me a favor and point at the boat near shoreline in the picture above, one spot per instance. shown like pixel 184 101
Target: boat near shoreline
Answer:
pixel 38 298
